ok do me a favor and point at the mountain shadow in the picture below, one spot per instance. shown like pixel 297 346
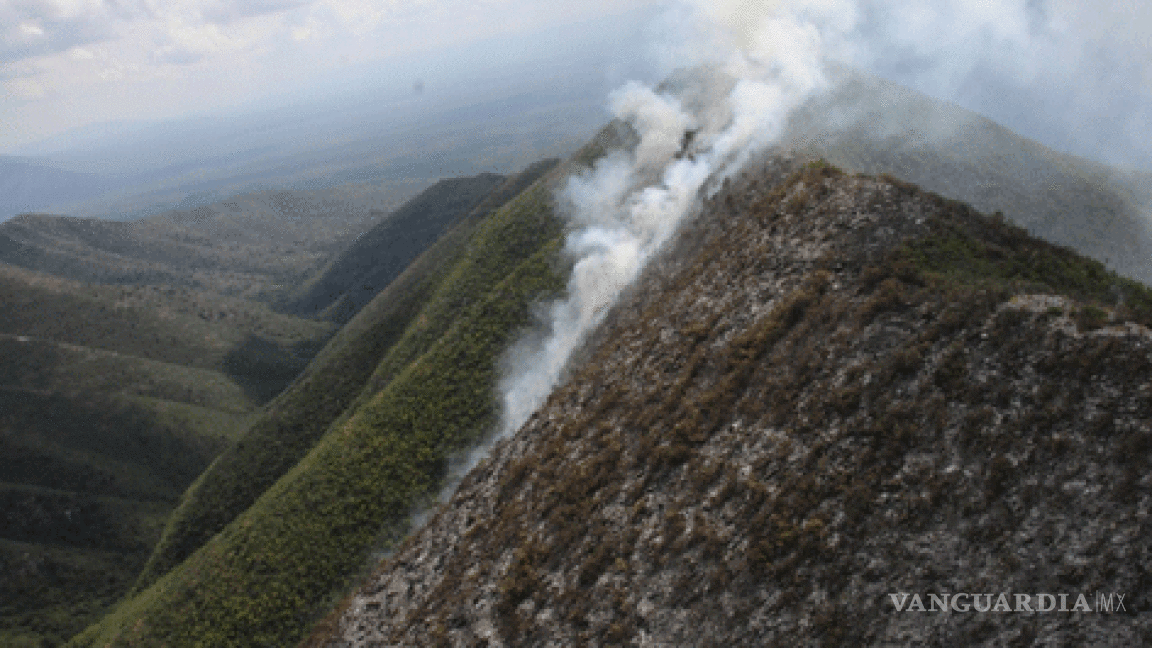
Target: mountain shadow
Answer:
pixel 377 256
pixel 262 367
pixel 86 481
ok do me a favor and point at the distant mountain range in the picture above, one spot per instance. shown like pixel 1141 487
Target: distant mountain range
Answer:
pixel 355 129
pixel 31 184
pixel 252 245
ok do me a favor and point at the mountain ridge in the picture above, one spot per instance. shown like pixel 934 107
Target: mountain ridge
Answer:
pixel 438 367
pixel 268 539
pixel 876 390
pixel 870 125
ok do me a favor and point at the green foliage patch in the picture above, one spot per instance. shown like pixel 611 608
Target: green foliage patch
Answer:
pixel 273 570
pixel 88 480
pixel 174 327
pixel 342 376
pixel 51 592
pixel 380 254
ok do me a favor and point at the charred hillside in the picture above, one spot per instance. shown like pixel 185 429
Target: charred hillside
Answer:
pixel 830 388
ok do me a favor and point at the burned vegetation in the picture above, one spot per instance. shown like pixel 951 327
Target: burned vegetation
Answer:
pixel 828 389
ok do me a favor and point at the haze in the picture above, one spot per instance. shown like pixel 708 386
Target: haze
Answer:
pixel 122 108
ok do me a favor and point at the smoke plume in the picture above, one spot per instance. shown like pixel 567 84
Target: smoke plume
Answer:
pixel 752 63
pixel 764 60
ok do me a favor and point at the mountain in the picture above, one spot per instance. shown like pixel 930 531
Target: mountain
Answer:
pixel 817 358
pixel 258 348
pixel 828 389
pixel 31 184
pixel 116 397
pixel 251 245
pixel 869 125
pixel 113 399
pixel 345 373
pixel 379 254
pixel 363 436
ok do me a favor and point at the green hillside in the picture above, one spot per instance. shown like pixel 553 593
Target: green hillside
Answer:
pixel 252 245
pixel 113 399
pixel 254 346
pixel 378 255
pixel 383 252
pixel 360 440
pixel 291 424
pixel 86 481
pixel 35 364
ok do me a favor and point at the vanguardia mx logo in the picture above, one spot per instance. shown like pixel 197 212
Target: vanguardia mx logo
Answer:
pixel 1105 602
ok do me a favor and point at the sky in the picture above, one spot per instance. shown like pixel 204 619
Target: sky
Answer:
pixel 66 63
pixel 1074 75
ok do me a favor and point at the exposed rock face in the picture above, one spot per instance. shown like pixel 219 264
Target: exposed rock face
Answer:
pixel 791 418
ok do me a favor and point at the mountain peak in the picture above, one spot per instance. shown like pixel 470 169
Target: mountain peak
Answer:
pixel 830 388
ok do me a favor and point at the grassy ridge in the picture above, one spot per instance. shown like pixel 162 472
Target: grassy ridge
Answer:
pixel 288 428
pixel 246 341
pixel 112 400
pixel 378 255
pixel 104 444
pixel 51 366
pixel 249 245
pixel 53 592
pixel 350 302
pixel 273 570
pixel 60 312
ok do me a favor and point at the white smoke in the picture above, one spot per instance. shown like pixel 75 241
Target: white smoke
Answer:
pixel 763 59
pixel 767 59
pixel 770 59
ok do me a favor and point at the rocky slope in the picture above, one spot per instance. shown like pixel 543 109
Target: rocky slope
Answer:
pixel 830 389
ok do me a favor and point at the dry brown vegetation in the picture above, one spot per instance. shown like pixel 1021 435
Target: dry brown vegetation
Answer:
pixel 832 387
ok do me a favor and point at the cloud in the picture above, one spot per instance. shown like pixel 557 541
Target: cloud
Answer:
pixel 175 55
pixel 25 88
pixel 31 29
pixel 40 27
pixel 222 12
pixel 1076 75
